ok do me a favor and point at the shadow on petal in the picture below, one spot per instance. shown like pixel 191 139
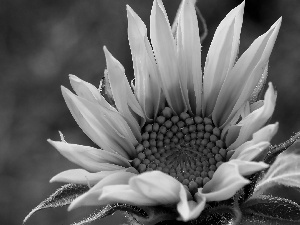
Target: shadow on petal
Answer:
pixel 225 182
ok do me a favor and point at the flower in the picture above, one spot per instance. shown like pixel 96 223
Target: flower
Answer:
pixel 179 138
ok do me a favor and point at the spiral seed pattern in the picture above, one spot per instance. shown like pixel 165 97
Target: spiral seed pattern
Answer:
pixel 185 147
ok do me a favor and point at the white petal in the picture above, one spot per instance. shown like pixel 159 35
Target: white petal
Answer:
pixel 92 196
pixel 221 56
pixel 248 167
pixel 166 56
pixel 231 130
pixel 189 53
pixel 260 141
pixel 255 120
pixel 189 209
pixel 105 127
pixel 125 100
pixel 88 91
pixel 124 194
pixel 245 75
pixel 225 182
pixel 232 134
pixel 80 176
pixel 252 151
pixel 147 84
pixel 256 105
pixel 92 159
pixel 158 186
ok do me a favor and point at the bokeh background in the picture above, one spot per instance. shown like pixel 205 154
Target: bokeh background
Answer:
pixel 42 41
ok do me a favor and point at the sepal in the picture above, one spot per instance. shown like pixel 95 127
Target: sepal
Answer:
pixel 284 170
pixel 275 150
pixel 61 197
pixel 272 208
pixel 109 210
pixel 155 215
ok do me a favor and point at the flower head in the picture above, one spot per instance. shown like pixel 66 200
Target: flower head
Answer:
pixel 181 137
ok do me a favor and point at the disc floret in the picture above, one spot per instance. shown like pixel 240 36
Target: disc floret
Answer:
pixel 188 148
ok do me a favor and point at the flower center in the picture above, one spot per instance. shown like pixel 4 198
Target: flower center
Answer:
pixel 187 148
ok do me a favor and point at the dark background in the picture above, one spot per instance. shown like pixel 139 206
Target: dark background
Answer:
pixel 42 41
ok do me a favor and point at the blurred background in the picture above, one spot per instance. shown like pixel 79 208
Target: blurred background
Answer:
pixel 42 41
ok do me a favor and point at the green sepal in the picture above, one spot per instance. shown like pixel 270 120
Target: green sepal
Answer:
pixel 275 150
pixel 273 208
pixel 155 215
pixel 61 197
pixel 220 215
pixel 110 209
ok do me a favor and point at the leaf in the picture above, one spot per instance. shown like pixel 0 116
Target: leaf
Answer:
pixel 272 207
pixel 284 171
pixel 109 210
pixel 61 197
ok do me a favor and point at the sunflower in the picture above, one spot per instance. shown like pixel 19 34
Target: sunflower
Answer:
pixel 177 136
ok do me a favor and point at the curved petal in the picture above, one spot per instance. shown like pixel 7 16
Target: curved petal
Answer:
pixel 125 100
pixel 225 182
pixel 147 86
pixel 166 56
pixel 249 153
pixel 158 186
pixel 88 91
pixel 189 209
pixel 232 133
pixel 90 158
pixel 105 127
pixel 255 120
pixel 248 167
pixel 124 194
pixel 189 53
pixel 231 130
pixel 244 76
pixel 91 197
pixel 261 139
pixel 221 56
pixel 80 176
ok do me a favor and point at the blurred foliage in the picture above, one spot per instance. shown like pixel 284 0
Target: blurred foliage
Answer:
pixel 42 41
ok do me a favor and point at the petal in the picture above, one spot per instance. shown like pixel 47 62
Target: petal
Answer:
pixel 105 127
pixel 166 191
pixel 125 100
pixel 166 56
pixel 221 56
pixel 92 196
pixel 247 167
pixel 189 210
pixel 261 140
pixel 80 176
pixel 88 91
pixel 244 77
pixel 147 84
pixel 90 158
pixel 255 120
pixel 249 153
pixel 124 194
pixel 232 134
pixel 231 130
pixel 225 182
pixel 189 53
